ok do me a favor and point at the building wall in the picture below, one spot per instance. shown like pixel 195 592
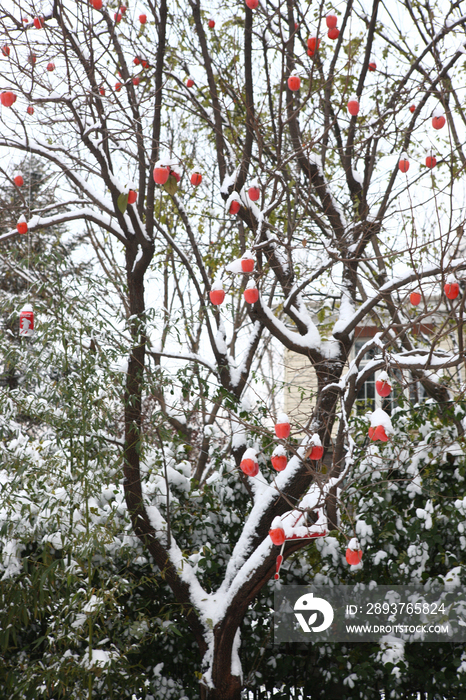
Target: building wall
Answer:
pixel 301 380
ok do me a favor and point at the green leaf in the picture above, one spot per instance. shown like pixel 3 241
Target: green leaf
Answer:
pixel 171 185
pixel 122 202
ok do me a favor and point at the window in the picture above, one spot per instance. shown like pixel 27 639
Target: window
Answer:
pixel 368 399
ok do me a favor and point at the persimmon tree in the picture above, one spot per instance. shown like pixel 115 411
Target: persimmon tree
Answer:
pixel 129 107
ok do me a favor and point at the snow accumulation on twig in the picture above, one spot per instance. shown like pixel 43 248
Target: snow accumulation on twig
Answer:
pixel 346 311
pixel 211 607
pixel 411 359
pixel 43 148
pixel 311 340
pixel 198 595
pixel 229 181
pixel 263 500
pixel 392 286
pixel 236 371
pixel 341 214
pixel 190 356
pixel 37 222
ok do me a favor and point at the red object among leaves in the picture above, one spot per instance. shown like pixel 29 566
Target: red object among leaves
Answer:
pixel 383 388
pixel 412 108
pixel 18 180
pixel 5 50
pixel 8 98
pixel 372 66
pixel 176 175
pixel 235 206
pixel 143 19
pixel 378 433
pixel 136 60
pixel 353 556
pixel 189 82
pixel 331 20
pixel 254 193
pixel 313 44
pixel 132 197
pixel 32 58
pixel 277 566
pixel 249 467
pixel 22 227
pixel 161 174
pixel 415 298
pixel 438 122
pixel 217 296
pixel 136 80
pixel 30 109
pixel 451 289
pixel 252 4
pixel 333 33
pixel 431 161
pixel 211 23
pixel 26 321
pixel 282 430
pixel 277 535
pixel 102 91
pixel 97 4
pixel 144 63
pixel 279 462
pixel 316 452
pixel 196 179
pixel 294 82
pixel 403 165
pixel 251 295
pixel 247 264
pixel 122 9
pixel 117 87
pixel 39 22
pixel 50 66
pixel 353 107
pixel 117 17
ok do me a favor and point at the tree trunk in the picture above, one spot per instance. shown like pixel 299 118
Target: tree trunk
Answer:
pixel 226 686
pixel 229 689
pixel 133 396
